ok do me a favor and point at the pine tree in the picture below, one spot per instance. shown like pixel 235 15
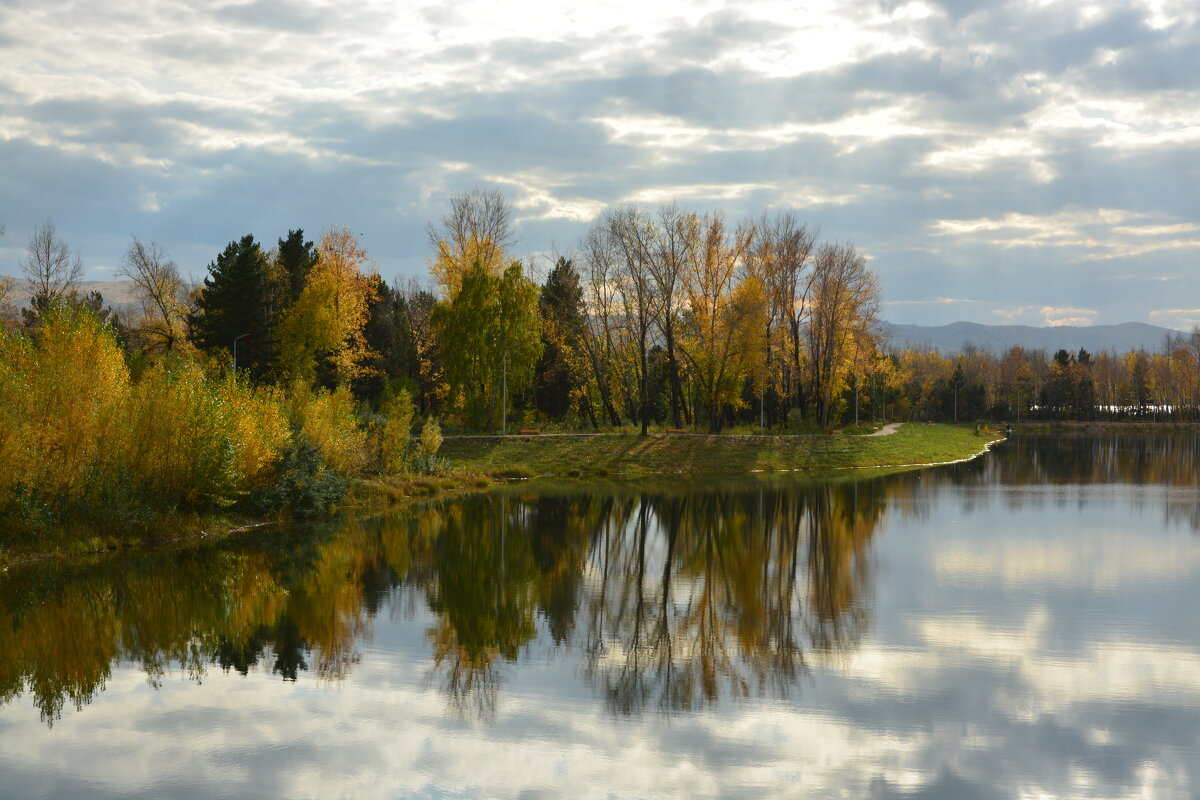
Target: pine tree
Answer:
pixel 233 307
pixel 561 307
pixel 296 259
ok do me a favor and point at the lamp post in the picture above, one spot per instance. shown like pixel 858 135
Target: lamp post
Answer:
pixel 235 341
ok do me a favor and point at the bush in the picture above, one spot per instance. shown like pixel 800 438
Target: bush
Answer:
pixel 303 484
pixel 393 446
pixel 425 460
pixel 327 419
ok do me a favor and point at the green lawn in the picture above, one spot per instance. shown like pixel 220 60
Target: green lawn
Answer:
pixel 630 455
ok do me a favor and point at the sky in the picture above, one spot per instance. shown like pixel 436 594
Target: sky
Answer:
pixel 1010 162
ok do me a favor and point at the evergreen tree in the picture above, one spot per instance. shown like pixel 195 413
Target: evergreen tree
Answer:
pixel 296 259
pixel 561 307
pixel 389 336
pixel 233 306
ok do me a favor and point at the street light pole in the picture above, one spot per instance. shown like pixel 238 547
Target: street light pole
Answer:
pixel 235 341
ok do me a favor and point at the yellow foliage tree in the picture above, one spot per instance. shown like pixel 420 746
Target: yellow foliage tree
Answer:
pixel 453 261
pixel 326 321
pixel 720 315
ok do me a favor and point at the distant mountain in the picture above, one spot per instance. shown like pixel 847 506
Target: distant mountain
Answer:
pixel 999 338
pixel 118 294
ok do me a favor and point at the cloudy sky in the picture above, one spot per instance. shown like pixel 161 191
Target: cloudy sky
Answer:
pixel 1034 162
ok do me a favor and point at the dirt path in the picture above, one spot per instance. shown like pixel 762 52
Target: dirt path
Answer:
pixel 891 427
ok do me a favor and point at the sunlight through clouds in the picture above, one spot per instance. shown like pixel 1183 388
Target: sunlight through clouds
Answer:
pixel 938 136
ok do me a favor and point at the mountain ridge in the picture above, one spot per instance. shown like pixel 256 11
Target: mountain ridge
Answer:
pixel 953 337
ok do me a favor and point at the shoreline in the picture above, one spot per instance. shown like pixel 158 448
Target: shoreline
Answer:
pixel 483 463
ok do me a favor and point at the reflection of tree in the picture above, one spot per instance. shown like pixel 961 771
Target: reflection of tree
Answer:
pixel 305 596
pixel 484 595
pixel 702 596
pixel 676 600
pixel 1144 456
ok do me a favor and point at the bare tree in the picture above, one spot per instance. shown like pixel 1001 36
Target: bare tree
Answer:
pixel 781 255
pixel 478 227
pixel 51 272
pixel 677 237
pixel 7 313
pixel 599 260
pixel 844 303
pixel 160 291
pixel 639 291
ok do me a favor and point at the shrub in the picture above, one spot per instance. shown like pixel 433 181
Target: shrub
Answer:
pixel 426 460
pixel 62 396
pixel 393 448
pixel 327 419
pixel 303 483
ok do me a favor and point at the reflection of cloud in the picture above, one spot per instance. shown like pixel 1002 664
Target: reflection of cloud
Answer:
pixel 1102 562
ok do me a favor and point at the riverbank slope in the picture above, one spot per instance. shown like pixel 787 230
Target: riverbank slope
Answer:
pixel 633 456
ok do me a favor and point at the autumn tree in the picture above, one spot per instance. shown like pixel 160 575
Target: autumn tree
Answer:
pixel 843 301
pixel 476 229
pixel 323 330
pixel 720 313
pixel 159 289
pixel 431 379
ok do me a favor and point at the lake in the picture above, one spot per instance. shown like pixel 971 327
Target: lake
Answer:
pixel 1022 625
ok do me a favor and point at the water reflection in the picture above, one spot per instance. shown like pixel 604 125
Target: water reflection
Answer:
pixel 676 599
pixel 1014 626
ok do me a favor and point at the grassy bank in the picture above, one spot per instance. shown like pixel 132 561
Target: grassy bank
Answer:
pixel 631 456
pixel 477 462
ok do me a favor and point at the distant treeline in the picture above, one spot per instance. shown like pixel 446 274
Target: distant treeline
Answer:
pixel 1031 384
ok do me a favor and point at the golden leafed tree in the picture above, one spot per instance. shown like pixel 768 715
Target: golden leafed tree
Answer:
pixel 717 312
pixel 325 324
pixel 477 228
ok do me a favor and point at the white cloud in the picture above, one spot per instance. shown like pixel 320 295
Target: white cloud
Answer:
pixel 1049 316
pixel 1094 234
pixel 1180 318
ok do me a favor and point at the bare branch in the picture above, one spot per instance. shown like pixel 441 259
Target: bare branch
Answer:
pixel 51 272
pixel 160 291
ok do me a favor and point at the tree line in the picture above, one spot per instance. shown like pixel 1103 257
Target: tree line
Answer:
pixel 658 317
pixel 1020 385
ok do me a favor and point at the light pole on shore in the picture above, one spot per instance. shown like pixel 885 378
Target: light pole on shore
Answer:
pixel 235 341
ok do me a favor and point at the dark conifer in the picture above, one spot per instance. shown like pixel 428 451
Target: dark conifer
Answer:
pixel 234 306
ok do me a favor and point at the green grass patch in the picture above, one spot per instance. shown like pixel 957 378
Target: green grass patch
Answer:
pixel 629 455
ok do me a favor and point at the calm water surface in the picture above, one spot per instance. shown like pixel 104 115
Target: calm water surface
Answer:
pixel 1024 625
